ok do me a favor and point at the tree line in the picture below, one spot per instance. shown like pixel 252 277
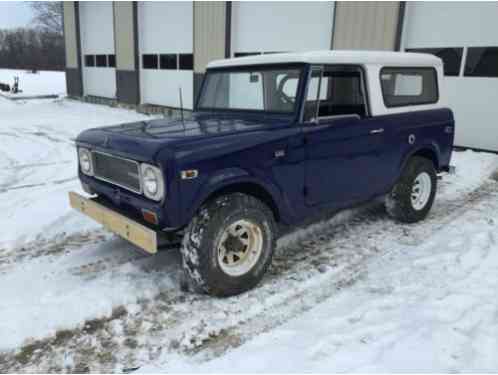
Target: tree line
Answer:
pixel 27 48
pixel 39 47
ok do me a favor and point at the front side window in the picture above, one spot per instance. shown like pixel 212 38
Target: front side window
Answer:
pixel 409 86
pixel 270 90
pixel 335 91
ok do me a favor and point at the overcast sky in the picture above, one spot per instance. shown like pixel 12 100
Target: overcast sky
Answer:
pixel 14 14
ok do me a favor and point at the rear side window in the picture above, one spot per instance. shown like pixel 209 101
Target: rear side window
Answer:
pixel 409 86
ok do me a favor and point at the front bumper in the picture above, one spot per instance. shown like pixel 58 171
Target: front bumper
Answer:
pixel 130 230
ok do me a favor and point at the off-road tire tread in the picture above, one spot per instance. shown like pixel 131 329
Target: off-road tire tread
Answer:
pixel 398 201
pixel 199 238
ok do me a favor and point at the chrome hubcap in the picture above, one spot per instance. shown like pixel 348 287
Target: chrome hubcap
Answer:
pixel 421 191
pixel 239 247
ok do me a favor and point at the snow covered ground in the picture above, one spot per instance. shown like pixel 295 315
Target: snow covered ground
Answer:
pixel 356 292
pixel 41 83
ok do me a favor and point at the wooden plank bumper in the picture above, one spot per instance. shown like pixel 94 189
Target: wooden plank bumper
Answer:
pixel 130 230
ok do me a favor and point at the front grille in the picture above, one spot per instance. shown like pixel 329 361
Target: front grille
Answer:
pixel 117 171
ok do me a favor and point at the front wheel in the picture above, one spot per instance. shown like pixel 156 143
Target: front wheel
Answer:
pixel 228 245
pixel 413 195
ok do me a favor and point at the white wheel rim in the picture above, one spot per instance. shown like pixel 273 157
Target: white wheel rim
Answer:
pixel 421 191
pixel 239 247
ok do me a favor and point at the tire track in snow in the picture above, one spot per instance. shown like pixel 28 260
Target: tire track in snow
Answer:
pixel 309 266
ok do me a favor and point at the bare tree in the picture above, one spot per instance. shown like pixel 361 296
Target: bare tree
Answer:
pixel 47 16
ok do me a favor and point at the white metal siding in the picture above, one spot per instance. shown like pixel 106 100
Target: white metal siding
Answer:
pixel 97 37
pixel 465 24
pixel 165 27
pixel 281 26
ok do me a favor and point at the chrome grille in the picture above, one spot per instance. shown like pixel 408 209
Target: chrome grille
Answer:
pixel 118 171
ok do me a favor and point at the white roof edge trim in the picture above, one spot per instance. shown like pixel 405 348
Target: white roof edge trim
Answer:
pixel 384 58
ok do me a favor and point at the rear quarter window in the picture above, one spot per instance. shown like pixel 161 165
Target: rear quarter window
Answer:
pixel 408 86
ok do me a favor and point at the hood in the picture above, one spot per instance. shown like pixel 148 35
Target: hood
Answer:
pixel 144 139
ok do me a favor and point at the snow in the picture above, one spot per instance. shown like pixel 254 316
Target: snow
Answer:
pixel 38 165
pixel 425 308
pixel 355 292
pixel 41 83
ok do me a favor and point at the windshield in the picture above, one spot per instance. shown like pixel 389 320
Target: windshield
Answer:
pixel 263 89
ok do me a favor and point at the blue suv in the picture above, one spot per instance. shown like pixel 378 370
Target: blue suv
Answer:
pixel 274 140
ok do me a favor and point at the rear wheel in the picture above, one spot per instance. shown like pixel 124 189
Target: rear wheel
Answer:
pixel 413 195
pixel 228 246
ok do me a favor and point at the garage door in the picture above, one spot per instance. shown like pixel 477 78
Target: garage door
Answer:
pixel 97 48
pixel 465 36
pixel 259 27
pixel 165 32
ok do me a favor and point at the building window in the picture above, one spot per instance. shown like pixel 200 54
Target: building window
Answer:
pixel 89 60
pixel 451 56
pixel 149 61
pixel 482 62
pixel 244 54
pixel 111 59
pixel 186 61
pixel 409 86
pixel 168 61
pixel 101 61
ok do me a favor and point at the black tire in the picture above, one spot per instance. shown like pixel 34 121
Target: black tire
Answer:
pixel 200 244
pixel 399 204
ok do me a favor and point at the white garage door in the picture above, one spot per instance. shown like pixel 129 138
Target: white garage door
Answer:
pixel 281 26
pixel 165 32
pixel 97 48
pixel 465 36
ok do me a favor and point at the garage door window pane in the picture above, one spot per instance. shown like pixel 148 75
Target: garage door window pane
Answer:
pixel 452 58
pixel 101 61
pixel 111 61
pixel 482 62
pixel 409 86
pixel 149 61
pixel 186 61
pixel 168 61
pixel 89 60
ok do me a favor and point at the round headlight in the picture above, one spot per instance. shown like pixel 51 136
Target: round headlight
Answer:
pixel 85 161
pixel 150 181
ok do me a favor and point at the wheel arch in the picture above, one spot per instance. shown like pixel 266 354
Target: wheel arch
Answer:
pixel 428 151
pixel 245 184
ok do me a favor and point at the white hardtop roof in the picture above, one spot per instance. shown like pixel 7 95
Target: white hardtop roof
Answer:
pixel 335 57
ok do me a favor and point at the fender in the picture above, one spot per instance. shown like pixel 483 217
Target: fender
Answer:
pixel 431 146
pixel 232 176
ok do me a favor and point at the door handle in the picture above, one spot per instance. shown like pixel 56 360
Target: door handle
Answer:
pixel 377 131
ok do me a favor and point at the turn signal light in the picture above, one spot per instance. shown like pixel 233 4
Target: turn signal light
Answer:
pixel 149 216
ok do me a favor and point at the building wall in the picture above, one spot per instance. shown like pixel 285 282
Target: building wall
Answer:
pixel 472 98
pixel 366 25
pixel 71 40
pixel 125 31
pixel 210 24
pixel 209 31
